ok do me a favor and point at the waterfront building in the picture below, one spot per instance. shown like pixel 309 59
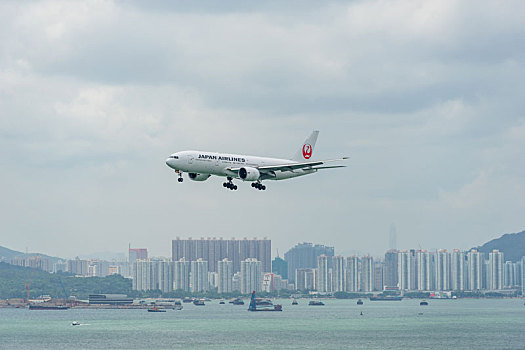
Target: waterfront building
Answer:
pixel 280 267
pixel 367 274
pixel 181 275
pixel 322 282
pixel 475 263
pixel 391 279
pixel 251 276
pixel 352 274
pixel 517 273
pixel 145 275
pixel 304 256
pixel 378 275
pixel 407 270
pixel 457 273
pixel 272 282
pixel 338 274
pixel 304 279
pixel 495 268
pixel 423 270
pixel 213 280
pixel 214 250
pixel 165 275
pixel 442 270
pixel 225 268
pixel 199 276
pixel 236 282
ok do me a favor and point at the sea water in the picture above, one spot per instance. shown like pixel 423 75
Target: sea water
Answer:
pixel 443 324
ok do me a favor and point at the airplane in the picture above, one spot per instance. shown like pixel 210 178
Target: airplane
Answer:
pixel 201 165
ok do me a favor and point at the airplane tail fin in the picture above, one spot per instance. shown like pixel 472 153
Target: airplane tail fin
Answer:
pixel 307 149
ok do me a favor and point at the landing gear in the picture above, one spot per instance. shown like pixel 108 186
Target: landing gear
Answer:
pixel 230 184
pixel 258 186
pixel 180 179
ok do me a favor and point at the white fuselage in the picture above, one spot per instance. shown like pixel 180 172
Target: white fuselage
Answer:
pixel 213 163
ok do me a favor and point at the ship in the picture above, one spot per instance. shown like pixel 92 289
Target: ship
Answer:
pixel 386 298
pixel 237 301
pixel 42 306
pixel 423 303
pixel 198 302
pixel 156 309
pixel 266 307
pixel 294 302
pixel 359 302
pixel 315 303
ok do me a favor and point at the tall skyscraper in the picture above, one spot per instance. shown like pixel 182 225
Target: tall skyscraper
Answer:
pixel 165 275
pixel 352 274
pixel 367 274
pixel 199 276
pixel 407 270
pixel 391 278
pixel 495 281
pixel 378 275
pixel 322 283
pixel 280 267
pixel 225 268
pixel 442 270
pixel 338 274
pixel 304 256
pixel 423 270
pixel 457 274
pixel 251 276
pixel 475 263
pixel 214 250
pixel 181 275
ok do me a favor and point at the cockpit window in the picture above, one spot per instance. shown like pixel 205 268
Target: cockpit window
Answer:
pixel 175 157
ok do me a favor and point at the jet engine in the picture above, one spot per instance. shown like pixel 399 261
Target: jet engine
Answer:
pixel 249 174
pixel 198 177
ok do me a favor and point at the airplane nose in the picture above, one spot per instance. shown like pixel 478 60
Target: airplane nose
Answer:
pixel 169 162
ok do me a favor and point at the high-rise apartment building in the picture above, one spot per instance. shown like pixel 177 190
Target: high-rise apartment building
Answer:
pixel 181 275
pixel 305 279
pixel 406 270
pixel 304 256
pixel 251 276
pixel 495 280
pixel 367 274
pixel 352 274
pixel 145 275
pixel 137 254
pixel 338 274
pixel 442 270
pixel 423 269
pixel 280 267
pixel 322 283
pixel 165 275
pixel 457 273
pixel 475 263
pixel 77 267
pixel 199 276
pixel 379 282
pixel 391 279
pixel 225 268
pixel 214 250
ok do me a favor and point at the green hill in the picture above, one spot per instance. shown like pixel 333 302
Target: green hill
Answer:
pixel 12 279
pixel 7 254
pixel 511 244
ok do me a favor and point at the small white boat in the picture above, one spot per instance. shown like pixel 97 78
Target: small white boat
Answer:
pixel 75 323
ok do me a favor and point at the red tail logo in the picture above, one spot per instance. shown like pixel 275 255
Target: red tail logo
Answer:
pixel 307 151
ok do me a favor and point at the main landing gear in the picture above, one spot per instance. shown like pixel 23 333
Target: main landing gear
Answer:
pixel 258 186
pixel 230 184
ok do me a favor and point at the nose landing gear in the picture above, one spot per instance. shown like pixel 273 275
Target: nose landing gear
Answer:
pixel 258 186
pixel 230 184
pixel 180 179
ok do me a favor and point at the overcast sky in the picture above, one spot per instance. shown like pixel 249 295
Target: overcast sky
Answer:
pixel 426 97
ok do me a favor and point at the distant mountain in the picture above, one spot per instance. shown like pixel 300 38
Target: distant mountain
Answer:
pixel 7 254
pixel 511 244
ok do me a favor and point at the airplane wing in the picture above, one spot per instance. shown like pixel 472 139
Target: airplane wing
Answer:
pixel 295 166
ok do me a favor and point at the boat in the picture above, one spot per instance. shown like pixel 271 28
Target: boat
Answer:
pixel 294 302
pixel 263 302
pixel 423 303
pixel 315 303
pixel 198 302
pixel 75 323
pixel 42 306
pixel 237 302
pixel 359 302
pixel 187 300
pixel 156 309
pixel 254 306
pixel 222 302
pixel 385 298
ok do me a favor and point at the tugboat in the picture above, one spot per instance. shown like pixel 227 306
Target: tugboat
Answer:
pixel 359 302
pixel 254 306
pixel 294 302
pixel 156 309
pixel 423 303
pixel 315 303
